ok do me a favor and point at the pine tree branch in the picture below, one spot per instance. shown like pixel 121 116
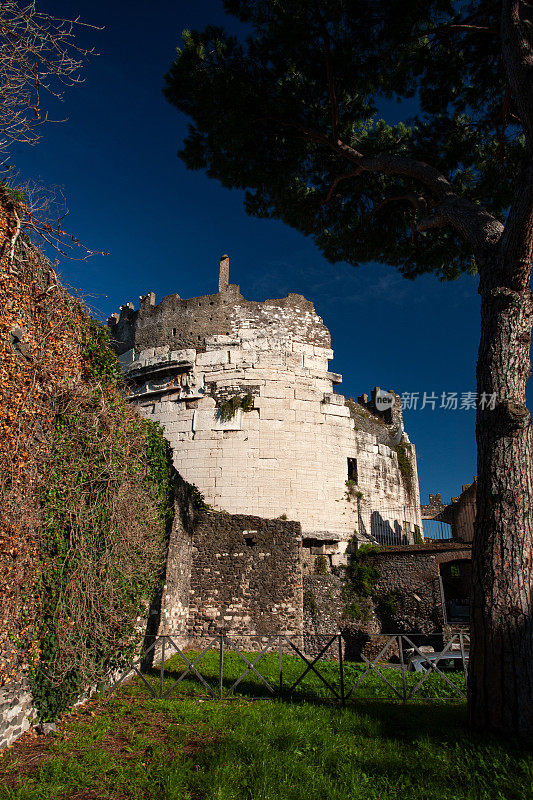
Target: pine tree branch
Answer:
pixel 329 70
pixel 473 223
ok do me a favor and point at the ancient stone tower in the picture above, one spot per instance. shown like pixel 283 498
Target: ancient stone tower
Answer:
pixel 247 401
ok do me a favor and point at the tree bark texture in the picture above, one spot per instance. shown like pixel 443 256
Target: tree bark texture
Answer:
pixel 500 692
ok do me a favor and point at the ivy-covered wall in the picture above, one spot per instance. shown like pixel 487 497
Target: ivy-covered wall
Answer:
pixel 85 493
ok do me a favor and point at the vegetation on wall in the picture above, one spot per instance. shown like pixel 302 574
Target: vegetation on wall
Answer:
pixel 310 604
pixel 359 411
pixel 85 491
pixel 40 354
pixel 352 492
pixel 361 578
pixel 362 601
pixel 321 565
pixel 106 500
pixel 405 466
pixel 229 407
pixel 362 572
pixel 388 604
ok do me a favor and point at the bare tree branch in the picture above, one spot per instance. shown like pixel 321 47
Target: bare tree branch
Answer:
pixel 38 53
pixel 41 214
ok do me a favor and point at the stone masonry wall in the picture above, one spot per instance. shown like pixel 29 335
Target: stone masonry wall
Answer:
pixel 176 590
pixel 323 607
pixel 181 324
pixel 245 579
pixel 17 714
pixel 324 616
pixel 287 455
pixel 412 574
pixel 409 578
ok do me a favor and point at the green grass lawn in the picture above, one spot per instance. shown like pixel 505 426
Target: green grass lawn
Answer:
pixel 127 745
pixel 372 686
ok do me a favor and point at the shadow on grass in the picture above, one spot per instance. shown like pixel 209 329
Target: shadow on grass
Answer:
pixel 295 686
pixel 443 719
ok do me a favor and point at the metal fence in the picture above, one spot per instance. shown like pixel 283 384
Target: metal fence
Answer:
pixel 400 670
pixel 397 525
pixel 436 530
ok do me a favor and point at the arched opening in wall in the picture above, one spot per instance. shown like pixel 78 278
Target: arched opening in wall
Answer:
pixel 456 577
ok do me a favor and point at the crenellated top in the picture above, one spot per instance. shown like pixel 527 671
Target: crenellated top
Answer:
pixel 186 323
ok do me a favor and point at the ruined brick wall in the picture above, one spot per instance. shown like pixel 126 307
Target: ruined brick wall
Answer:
pixel 184 323
pixel 245 578
pixel 408 585
pixel 435 509
pixel 323 613
pixel 324 616
pixel 412 573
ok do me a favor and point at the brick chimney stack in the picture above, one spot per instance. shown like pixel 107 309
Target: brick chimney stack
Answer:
pixel 223 276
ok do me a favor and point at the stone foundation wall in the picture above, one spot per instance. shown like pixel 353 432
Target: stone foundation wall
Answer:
pixel 407 599
pixel 240 574
pixel 323 606
pixel 17 714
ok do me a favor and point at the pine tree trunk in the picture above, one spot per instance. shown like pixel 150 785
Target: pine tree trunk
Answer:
pixel 500 692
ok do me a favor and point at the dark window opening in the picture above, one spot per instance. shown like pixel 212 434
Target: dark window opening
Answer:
pixel 174 331
pixel 352 470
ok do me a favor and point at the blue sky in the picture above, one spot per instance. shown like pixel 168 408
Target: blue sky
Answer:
pixel 165 229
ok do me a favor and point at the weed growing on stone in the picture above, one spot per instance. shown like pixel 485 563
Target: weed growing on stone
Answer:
pixel 229 408
pixel 321 565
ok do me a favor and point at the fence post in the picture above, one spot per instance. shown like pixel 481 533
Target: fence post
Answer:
pixel 162 669
pixel 443 601
pixel 341 670
pixel 402 667
pixel 465 668
pixel 280 657
pixel 221 668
